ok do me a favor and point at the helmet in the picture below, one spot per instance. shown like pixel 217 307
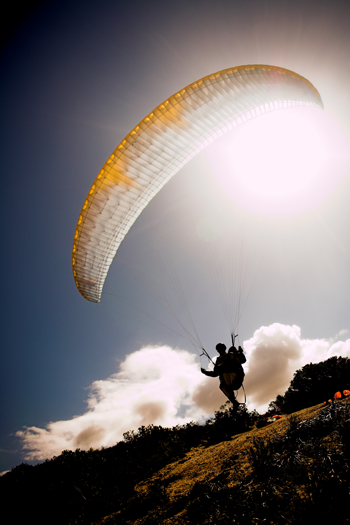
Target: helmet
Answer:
pixel 220 347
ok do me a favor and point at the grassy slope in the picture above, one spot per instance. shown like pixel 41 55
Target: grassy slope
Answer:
pixel 227 461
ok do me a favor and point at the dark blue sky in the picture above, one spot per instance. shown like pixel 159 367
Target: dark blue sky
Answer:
pixel 76 78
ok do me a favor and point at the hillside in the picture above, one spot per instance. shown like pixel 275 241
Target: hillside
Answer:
pixel 295 470
pixel 188 490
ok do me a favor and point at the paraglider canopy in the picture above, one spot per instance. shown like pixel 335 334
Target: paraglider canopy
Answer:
pixel 163 142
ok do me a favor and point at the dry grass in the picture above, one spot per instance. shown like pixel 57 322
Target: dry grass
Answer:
pixel 228 460
pixel 178 490
pixel 203 464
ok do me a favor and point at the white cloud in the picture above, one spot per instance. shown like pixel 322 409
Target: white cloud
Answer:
pixel 275 352
pixel 163 386
pixel 154 385
pixel 338 336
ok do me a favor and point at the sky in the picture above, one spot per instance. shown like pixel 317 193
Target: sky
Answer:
pixel 76 78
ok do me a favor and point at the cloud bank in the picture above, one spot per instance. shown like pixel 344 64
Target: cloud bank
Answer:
pixel 275 352
pixel 153 386
pixel 164 386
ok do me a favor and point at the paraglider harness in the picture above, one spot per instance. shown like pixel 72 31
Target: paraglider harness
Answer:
pixel 230 371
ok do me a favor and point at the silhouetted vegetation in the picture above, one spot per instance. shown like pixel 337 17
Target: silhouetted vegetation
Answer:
pixel 313 384
pixel 83 486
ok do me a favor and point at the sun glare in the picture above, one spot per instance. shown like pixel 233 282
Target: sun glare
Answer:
pixel 283 162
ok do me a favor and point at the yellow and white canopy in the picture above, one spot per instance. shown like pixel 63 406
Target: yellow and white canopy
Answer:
pixel 163 142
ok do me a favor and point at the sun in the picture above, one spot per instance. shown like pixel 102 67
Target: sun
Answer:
pixel 283 162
